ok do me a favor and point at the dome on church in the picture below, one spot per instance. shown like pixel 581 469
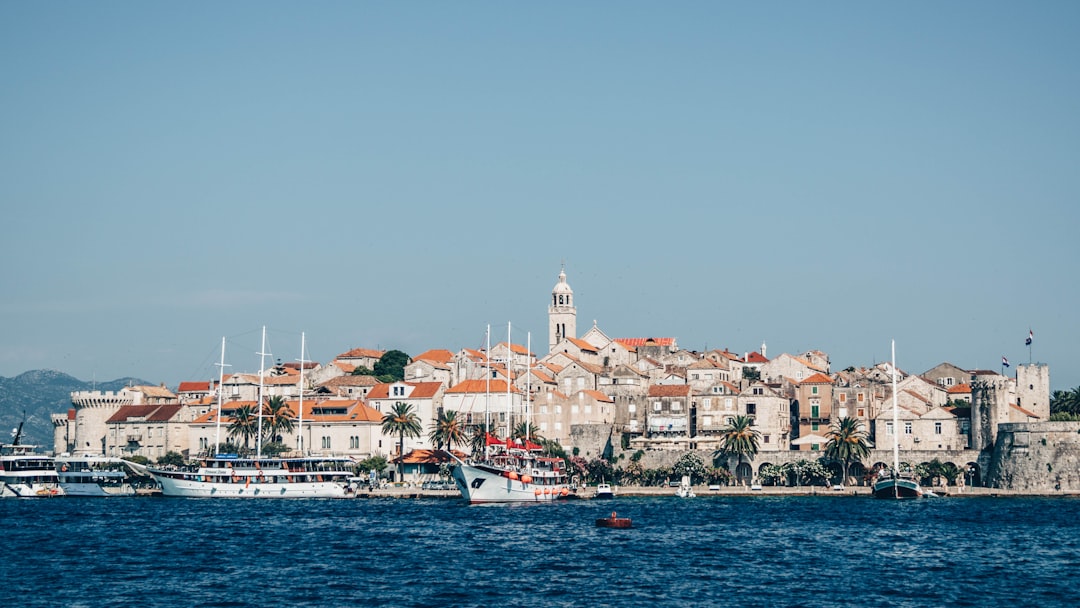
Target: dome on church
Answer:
pixel 562 286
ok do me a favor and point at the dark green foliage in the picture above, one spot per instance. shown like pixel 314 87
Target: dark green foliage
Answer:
pixel 391 364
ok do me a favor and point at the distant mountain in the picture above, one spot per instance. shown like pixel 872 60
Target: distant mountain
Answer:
pixel 41 393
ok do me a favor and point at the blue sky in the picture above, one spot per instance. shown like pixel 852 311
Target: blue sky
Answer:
pixel 822 176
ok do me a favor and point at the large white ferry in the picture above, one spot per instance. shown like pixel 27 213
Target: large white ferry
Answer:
pixel 233 477
pixel 513 474
pixel 94 476
pixel 27 474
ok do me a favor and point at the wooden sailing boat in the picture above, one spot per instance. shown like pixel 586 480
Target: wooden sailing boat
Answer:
pixel 892 483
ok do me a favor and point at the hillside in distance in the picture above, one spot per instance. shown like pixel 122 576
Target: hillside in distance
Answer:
pixel 37 395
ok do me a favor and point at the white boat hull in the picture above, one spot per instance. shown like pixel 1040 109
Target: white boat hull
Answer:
pixel 188 488
pixel 480 484
pixel 31 490
pixel 93 490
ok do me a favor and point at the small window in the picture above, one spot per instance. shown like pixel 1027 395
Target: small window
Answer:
pixel 937 428
pixel 907 428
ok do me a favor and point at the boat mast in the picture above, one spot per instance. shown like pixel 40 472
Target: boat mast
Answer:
pixel 895 417
pixel 262 365
pixel 528 384
pixel 300 426
pixel 487 390
pixel 509 358
pixel 220 389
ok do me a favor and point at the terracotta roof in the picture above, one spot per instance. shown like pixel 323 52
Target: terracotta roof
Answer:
pixel 154 391
pixel 161 412
pixel 598 396
pixel 669 390
pixel 960 388
pixel 582 344
pixel 296 365
pixel 348 368
pixel 193 387
pixel 358 353
pixel 756 357
pixel 421 390
pixel 480 386
pixel 635 342
pixel 818 379
pixel 281 380
pixel 437 356
pixel 917 396
pixel 1023 411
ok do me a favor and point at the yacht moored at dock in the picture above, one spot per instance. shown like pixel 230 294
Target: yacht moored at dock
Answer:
pixel 514 474
pixel 94 476
pixel 233 477
pixel 27 474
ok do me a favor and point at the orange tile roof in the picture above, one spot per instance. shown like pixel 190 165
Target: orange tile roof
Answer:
pixel 756 357
pixel 358 353
pixel 348 368
pixel 960 388
pixel 480 386
pixel 161 412
pixel 193 387
pixel 818 379
pixel 582 344
pixel 436 355
pixel 421 390
pixel 598 396
pixel 1023 411
pixel 669 390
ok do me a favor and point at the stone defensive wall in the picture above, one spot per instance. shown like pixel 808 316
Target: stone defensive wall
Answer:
pixel 101 399
pixel 1036 457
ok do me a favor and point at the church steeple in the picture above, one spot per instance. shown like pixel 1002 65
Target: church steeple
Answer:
pixel 562 315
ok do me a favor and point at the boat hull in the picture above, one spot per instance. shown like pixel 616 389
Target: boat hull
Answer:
pixel 614 522
pixel 897 489
pixel 188 488
pixel 479 484
pixel 95 490
pixel 31 490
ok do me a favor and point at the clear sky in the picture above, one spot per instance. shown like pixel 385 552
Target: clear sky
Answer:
pixel 812 175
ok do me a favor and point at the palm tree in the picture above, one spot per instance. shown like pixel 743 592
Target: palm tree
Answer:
pixel 447 430
pixel 478 439
pixel 244 424
pixel 847 443
pixel 527 429
pixel 401 421
pixel 279 417
pixel 739 438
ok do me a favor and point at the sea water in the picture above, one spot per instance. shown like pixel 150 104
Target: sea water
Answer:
pixel 705 551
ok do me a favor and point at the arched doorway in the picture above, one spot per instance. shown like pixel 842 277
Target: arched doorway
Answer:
pixel 857 473
pixel 744 474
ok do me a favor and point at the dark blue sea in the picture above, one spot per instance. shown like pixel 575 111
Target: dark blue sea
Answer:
pixel 707 551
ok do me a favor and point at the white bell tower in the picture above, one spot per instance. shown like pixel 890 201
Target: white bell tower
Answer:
pixel 562 316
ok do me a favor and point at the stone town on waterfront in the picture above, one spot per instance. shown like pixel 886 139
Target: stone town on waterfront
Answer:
pixel 639 404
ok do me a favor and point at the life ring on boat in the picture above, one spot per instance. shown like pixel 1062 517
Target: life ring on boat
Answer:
pixel 512 475
pixel 538 492
pixel 564 492
pixel 547 490
pixel 526 479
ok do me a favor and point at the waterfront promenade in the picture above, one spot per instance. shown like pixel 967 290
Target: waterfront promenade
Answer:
pixel 705 491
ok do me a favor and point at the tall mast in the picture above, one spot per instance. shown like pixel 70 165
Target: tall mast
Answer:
pixel 262 364
pixel 487 390
pixel 895 416
pixel 220 389
pixel 528 384
pixel 300 426
pixel 509 358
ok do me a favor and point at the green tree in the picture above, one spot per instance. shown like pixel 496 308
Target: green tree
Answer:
pixel 739 438
pixel 171 458
pixel 751 374
pixel 478 439
pixel 447 430
pixel 392 364
pixel 600 470
pixel 375 463
pixel 527 429
pixel 689 464
pixel 245 424
pixel 279 419
pixel 401 421
pixel 847 443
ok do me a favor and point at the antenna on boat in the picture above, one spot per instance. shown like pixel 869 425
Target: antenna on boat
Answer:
pixel 262 364
pixel 220 390
pixel 528 385
pixel 300 428
pixel 509 359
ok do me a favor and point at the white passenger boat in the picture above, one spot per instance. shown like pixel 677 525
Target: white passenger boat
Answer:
pixel 94 476
pixel 27 474
pixel 233 477
pixel 512 475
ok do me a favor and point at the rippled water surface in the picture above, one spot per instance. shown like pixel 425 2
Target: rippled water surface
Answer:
pixel 707 551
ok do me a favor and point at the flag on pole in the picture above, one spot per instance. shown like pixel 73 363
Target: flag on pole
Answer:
pixel 1004 362
pixel 1031 336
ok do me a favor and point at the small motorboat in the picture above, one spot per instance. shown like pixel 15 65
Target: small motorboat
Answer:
pixel 603 491
pixel 613 522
